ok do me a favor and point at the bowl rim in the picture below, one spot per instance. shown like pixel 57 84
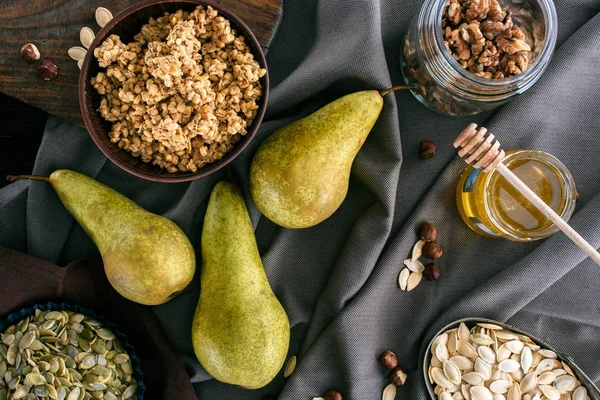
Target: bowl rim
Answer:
pixel 593 391
pixel 257 51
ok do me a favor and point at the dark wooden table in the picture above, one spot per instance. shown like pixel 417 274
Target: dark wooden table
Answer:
pixel 53 26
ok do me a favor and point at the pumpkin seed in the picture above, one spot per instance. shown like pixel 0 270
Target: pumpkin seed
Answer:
pixel 289 367
pixel 389 393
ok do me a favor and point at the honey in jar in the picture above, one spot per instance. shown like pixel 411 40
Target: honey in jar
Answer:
pixel 491 206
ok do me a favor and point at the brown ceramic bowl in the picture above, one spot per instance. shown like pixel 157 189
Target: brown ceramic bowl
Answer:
pixel 126 25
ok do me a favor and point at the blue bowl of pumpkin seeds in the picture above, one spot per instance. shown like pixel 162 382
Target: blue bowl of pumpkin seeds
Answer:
pixel 66 352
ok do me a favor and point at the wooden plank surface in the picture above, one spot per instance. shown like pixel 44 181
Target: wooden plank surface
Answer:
pixel 53 26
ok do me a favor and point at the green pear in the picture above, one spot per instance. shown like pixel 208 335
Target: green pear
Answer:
pixel 299 176
pixel 147 258
pixel 240 332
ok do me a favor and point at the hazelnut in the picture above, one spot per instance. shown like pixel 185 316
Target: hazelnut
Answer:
pixel 426 149
pixel 388 359
pixel 30 53
pixel 431 272
pixel 47 70
pixel 428 232
pixel 577 196
pixel 398 376
pixel 333 395
pixel 432 250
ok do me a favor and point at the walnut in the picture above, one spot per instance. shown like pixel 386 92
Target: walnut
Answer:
pixel 459 45
pixel 495 12
pixel 454 12
pixel 478 10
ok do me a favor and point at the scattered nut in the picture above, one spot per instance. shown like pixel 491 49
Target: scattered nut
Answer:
pixel 388 359
pixel 398 376
pixel 431 272
pixel 426 149
pixel 333 395
pixel 432 250
pixel 47 70
pixel 428 232
pixel 30 53
pixel 577 196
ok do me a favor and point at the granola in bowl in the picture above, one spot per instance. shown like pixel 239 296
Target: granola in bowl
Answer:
pixel 183 93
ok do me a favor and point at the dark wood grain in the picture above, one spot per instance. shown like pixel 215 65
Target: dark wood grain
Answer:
pixel 53 26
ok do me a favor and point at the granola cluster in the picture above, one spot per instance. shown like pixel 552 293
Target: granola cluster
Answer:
pixel 482 37
pixel 182 93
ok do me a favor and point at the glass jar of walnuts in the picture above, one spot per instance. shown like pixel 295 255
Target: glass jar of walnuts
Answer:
pixel 469 56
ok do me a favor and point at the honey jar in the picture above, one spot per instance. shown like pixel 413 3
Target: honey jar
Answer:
pixel 491 206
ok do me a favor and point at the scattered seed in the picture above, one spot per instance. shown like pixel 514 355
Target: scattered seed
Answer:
pixel 290 367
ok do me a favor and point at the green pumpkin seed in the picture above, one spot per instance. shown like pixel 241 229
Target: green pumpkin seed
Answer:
pixel 27 340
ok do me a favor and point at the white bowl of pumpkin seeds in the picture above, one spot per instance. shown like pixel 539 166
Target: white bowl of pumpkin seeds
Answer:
pixel 482 359
pixel 63 352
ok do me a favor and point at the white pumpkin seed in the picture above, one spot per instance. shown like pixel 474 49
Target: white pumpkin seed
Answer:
pixel 389 393
pixel 413 280
pixel 546 378
pixel 441 352
pixel 79 64
pixel 505 335
pixel 547 364
pixel 515 346
pixel 445 396
pixel 462 363
pixel 489 326
pixel 564 382
pixel 452 372
pixel 514 393
pixel 452 342
pixel 403 278
pixel 496 396
pixel 526 359
pixel 567 368
pixel 86 36
pixel 440 378
pixel 550 392
pixel 290 367
pixel 466 349
pixel 500 386
pixel 414 265
pixel 483 368
pixel 529 382
pixel 580 393
pixel 487 354
pixel 508 365
pixel 503 353
pixel 473 378
pixel 465 390
pixel 103 16
pixel 480 393
pixel 458 396
pixel 482 339
pixel 547 353
pixel 417 250
pixel 435 362
pixel 463 332
pixel 77 53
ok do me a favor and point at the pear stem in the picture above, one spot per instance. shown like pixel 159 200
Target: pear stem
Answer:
pixel 399 87
pixel 12 178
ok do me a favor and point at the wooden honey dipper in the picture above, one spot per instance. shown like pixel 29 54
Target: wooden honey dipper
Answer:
pixel 483 151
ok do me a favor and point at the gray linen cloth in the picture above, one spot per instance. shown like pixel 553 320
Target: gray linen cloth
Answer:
pixel 337 280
